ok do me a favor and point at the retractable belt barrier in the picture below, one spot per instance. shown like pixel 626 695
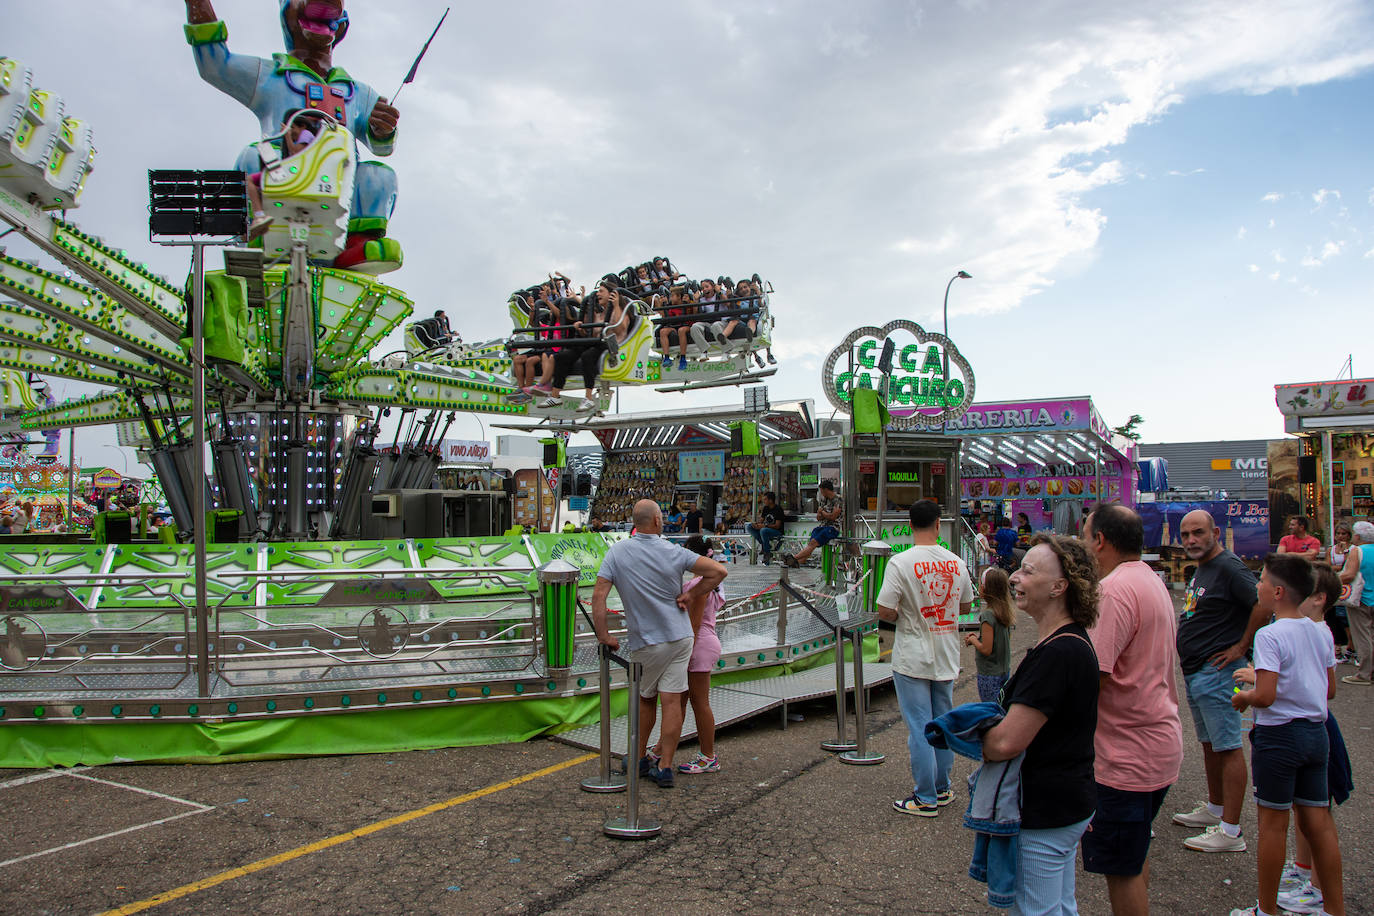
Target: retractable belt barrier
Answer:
pixel 839 619
pixel 631 826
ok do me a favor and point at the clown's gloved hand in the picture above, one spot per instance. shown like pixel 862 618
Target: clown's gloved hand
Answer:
pixel 382 122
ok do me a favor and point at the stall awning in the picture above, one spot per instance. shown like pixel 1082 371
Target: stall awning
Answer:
pixel 1343 405
pixel 692 426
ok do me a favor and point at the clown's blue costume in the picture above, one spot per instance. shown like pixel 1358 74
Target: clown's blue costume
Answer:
pixel 272 87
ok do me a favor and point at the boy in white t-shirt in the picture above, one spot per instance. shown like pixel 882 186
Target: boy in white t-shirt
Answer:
pixel 1295 677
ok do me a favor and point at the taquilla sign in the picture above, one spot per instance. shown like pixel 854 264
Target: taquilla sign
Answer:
pixel 918 394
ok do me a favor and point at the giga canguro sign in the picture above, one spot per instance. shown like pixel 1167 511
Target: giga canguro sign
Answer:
pixel 918 395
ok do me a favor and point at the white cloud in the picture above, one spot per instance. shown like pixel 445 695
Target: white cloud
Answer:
pixel 1310 261
pixel 1322 195
pixel 1253 268
pixel 1277 256
pixel 1240 233
pixel 856 158
pixel 1331 249
pixel 1272 223
pixel 1275 275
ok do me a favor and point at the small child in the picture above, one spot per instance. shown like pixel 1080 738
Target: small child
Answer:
pixel 1299 889
pixel 1295 677
pixel 993 639
pixel 296 136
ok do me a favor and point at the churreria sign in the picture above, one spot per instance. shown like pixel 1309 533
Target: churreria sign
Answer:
pixel 918 395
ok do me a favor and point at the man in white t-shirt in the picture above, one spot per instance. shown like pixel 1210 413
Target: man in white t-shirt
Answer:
pixel 925 589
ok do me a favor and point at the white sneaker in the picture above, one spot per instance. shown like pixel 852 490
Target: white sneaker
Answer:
pixel 1291 878
pixel 1198 817
pixel 550 402
pixel 1306 899
pixel 585 405
pixel 1214 839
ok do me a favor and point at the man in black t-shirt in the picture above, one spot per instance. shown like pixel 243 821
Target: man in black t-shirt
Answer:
pixel 767 528
pixel 692 523
pixel 1220 616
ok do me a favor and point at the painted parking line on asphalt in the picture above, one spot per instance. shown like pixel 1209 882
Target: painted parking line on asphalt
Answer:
pixel 338 838
pixel 80 773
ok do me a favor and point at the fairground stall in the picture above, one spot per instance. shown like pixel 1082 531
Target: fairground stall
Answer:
pixel 1052 459
pixel 1327 473
pixel 686 459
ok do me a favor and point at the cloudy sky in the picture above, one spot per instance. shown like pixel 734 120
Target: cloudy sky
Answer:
pixel 1166 206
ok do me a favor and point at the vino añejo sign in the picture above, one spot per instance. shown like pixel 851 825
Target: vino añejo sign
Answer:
pixel 918 394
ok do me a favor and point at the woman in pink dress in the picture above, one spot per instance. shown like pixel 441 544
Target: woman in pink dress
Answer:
pixel 705 654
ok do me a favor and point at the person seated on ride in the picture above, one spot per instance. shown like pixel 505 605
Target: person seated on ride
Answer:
pixel 533 366
pixel 562 286
pixel 679 305
pixel 582 358
pixel 663 272
pixel 445 329
pixel 645 285
pixel 296 134
pixel 744 292
pixel 611 306
pixel 707 303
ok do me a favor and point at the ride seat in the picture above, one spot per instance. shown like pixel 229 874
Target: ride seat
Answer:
pixel 314 187
pixel 423 335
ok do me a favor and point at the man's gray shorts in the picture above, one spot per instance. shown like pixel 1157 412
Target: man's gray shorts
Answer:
pixel 665 667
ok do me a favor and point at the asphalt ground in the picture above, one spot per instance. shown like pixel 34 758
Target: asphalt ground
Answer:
pixel 784 826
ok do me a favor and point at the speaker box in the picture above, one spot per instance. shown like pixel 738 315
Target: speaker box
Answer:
pixel 1307 469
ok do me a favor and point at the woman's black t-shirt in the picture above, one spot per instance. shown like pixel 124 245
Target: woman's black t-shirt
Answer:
pixel 1059 678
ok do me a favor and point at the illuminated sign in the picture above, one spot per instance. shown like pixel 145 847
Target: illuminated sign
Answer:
pixel 1248 467
pixel 918 395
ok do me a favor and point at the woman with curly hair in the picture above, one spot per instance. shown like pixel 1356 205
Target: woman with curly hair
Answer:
pixel 1051 704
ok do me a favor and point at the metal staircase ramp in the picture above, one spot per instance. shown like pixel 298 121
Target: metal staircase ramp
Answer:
pixel 738 701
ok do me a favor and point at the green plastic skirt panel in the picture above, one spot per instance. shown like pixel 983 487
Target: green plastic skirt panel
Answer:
pixel 42 745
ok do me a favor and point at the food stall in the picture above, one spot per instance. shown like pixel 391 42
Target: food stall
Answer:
pixel 1327 473
pixel 1049 458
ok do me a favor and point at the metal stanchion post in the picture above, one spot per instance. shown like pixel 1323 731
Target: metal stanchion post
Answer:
pixel 632 826
pixel 860 755
pixel 841 742
pixel 606 782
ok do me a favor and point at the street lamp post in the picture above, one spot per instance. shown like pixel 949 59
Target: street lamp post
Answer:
pixel 961 275
pixel 944 350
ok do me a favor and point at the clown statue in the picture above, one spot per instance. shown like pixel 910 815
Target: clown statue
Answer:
pixel 305 77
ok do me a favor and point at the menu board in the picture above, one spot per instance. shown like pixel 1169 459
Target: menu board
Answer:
pixel 701 467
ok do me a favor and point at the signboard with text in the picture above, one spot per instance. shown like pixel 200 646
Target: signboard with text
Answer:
pixel 917 392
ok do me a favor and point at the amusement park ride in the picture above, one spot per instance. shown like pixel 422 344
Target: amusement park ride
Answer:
pixel 289 615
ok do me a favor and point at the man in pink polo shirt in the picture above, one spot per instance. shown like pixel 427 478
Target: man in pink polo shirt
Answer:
pixel 1139 740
